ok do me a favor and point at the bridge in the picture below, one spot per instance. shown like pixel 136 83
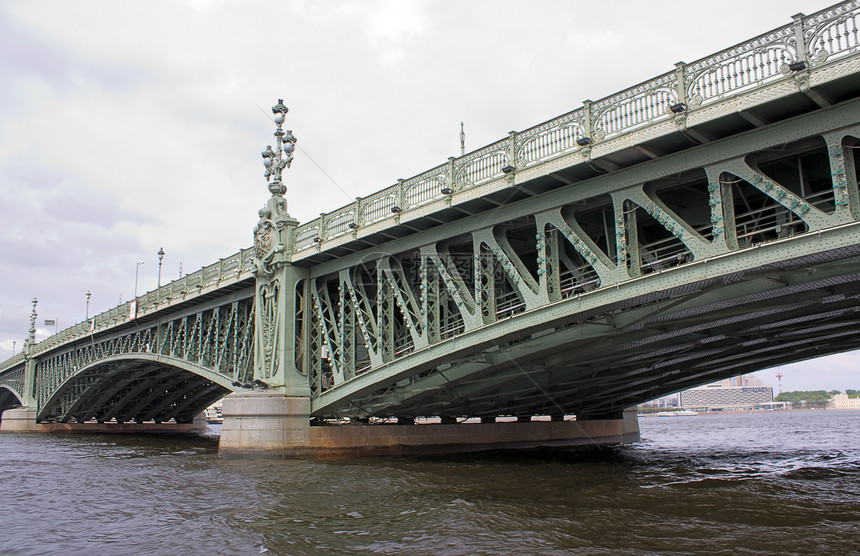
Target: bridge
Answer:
pixel 694 227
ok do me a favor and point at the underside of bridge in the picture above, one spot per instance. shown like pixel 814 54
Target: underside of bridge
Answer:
pixel 8 400
pixel 129 390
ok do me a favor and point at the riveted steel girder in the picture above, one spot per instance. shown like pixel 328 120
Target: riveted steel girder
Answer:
pixel 598 341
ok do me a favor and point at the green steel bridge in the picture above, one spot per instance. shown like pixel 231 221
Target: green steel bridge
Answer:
pixel 694 227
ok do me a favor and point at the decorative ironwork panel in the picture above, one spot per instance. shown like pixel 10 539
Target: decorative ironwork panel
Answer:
pixel 14 380
pixel 219 339
pixel 743 69
pixel 425 187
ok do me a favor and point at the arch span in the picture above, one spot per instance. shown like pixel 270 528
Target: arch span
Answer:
pixel 136 387
pixel 9 399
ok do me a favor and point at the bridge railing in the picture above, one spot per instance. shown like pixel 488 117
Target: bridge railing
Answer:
pixel 230 269
pixel 810 41
pixel 13 361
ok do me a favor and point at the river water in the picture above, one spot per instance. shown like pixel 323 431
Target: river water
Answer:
pixel 762 483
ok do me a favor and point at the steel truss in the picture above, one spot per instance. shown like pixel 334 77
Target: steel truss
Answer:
pixel 384 322
pixel 11 388
pixel 169 368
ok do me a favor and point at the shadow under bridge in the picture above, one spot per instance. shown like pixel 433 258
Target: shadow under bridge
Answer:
pixel 598 353
pixel 137 388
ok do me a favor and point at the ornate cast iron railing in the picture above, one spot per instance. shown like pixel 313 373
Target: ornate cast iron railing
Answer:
pixel 229 270
pixel 219 339
pixel 811 41
pixel 14 380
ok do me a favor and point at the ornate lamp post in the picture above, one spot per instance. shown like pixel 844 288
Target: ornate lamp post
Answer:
pixel 160 257
pixel 27 420
pixel 270 243
pixel 273 245
pixel 279 386
pixel 275 161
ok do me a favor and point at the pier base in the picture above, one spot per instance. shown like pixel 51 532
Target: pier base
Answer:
pixel 20 419
pixel 361 440
pixel 24 420
pixel 262 424
pixel 123 428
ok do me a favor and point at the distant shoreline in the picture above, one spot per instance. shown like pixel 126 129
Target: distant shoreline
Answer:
pixel 732 411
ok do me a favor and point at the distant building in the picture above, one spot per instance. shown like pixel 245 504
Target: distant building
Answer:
pixel 743 380
pixel 672 400
pixel 720 397
pixel 842 401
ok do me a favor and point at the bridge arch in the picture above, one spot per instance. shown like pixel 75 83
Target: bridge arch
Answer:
pixel 137 387
pixel 9 398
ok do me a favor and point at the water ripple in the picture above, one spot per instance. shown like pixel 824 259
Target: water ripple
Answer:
pixel 752 484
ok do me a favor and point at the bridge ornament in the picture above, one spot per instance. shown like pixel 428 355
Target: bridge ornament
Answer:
pixel 275 278
pixel 268 243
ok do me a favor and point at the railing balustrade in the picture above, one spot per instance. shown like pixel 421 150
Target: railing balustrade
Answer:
pixel 233 268
pixel 823 37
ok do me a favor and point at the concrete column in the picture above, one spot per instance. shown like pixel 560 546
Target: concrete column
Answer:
pixel 265 423
pixel 21 419
pixel 630 424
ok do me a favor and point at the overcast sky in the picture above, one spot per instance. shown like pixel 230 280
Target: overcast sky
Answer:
pixel 130 126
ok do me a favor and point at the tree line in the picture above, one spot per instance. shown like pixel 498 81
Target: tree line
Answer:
pixel 812 398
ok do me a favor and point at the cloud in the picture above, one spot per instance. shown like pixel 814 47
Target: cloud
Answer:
pixel 392 25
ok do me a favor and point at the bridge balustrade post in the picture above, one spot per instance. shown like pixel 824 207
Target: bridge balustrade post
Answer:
pixel 681 83
pixel 356 217
pixel 587 123
pixel 400 199
pixel 799 40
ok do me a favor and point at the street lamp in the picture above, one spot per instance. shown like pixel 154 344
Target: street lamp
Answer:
pixel 275 161
pixel 160 256
pixel 136 270
pixel 88 304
